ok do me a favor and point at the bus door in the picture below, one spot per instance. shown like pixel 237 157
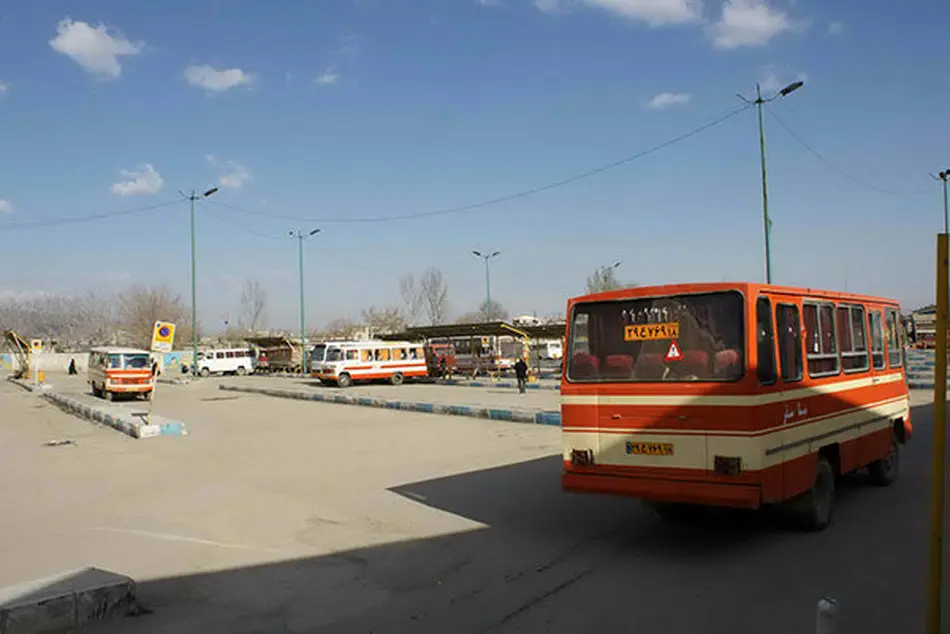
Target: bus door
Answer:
pixel 790 372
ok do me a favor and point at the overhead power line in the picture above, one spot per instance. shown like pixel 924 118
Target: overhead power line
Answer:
pixel 230 221
pixel 55 222
pixel 834 167
pixel 500 199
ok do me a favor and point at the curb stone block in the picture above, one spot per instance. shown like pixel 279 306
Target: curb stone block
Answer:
pixel 512 415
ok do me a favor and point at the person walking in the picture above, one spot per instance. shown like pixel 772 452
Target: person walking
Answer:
pixel 72 367
pixel 521 373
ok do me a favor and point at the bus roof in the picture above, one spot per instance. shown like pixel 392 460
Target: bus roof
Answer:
pixel 111 350
pixel 747 288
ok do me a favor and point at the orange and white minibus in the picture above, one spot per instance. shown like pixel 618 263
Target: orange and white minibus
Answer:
pixel 114 371
pixel 348 361
pixel 732 394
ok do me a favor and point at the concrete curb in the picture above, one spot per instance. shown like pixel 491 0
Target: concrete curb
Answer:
pixel 472 411
pixel 130 426
pixel 65 602
pixel 507 384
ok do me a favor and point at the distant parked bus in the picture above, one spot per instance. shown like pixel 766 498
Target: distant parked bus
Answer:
pixel 349 361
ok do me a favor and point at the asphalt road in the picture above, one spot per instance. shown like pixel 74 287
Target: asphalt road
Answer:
pixel 543 561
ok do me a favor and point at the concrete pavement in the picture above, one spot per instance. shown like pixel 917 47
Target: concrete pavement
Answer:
pixel 282 516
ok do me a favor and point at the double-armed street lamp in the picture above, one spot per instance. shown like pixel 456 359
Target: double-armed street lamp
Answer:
pixel 487 257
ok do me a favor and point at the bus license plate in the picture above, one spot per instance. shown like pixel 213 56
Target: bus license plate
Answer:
pixel 650 448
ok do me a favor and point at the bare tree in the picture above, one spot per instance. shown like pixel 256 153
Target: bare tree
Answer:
pixel 341 328
pixel 412 297
pixel 253 306
pixel 68 321
pixel 141 306
pixel 602 279
pixel 435 294
pixel 384 321
pixel 498 313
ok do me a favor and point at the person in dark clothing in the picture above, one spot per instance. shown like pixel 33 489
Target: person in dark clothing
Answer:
pixel 442 371
pixel 72 367
pixel 521 372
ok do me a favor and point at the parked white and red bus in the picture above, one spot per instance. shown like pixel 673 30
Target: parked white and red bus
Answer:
pixel 349 361
pixel 486 354
pixel 732 395
pixel 112 371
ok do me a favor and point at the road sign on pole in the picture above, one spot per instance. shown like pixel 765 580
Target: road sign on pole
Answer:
pixel 163 336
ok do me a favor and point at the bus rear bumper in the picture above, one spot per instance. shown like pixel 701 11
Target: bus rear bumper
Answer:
pixel 665 490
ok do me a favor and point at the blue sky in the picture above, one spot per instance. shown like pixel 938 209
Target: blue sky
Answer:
pixel 343 109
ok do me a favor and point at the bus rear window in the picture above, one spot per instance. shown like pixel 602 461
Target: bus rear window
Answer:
pixel 654 339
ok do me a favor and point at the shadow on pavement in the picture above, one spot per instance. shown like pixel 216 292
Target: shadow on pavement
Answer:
pixel 544 561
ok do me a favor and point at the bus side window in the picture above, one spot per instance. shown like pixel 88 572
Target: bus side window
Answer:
pixel 894 353
pixel 822 341
pixel 352 355
pixel 877 340
pixel 766 341
pixel 789 342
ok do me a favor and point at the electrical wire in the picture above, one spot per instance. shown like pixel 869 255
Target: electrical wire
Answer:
pixel 54 222
pixel 834 167
pixel 500 199
pixel 231 222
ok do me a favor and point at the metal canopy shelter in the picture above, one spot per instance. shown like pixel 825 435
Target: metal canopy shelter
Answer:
pixel 489 329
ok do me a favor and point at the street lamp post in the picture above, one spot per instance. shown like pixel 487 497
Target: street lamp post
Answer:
pixel 193 196
pixel 758 102
pixel 945 176
pixel 487 257
pixel 301 236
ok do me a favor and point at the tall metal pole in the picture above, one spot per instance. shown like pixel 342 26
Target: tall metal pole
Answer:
pixel 488 290
pixel 194 294
pixel 765 192
pixel 303 307
pixel 946 214
pixel 939 446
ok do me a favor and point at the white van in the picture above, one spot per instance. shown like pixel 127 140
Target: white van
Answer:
pixel 238 361
pixel 550 350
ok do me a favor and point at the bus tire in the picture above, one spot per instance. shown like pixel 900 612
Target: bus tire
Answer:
pixel 815 508
pixel 147 395
pixel 884 472
pixel 396 378
pixel 205 373
pixel 241 371
pixel 344 380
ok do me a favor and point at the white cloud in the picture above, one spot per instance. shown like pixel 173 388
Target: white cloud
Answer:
pixel 93 48
pixel 4 88
pixel 667 99
pixel 771 83
pixel 235 174
pixel 835 28
pixel 653 12
pixel 748 23
pixel 214 80
pixel 144 180
pixel 327 77
pixel 349 45
pixel 6 207
pixel 489 3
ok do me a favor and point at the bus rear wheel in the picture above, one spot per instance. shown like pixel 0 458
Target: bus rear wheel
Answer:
pixel 205 372
pixel 344 380
pixel 884 471
pixel 241 371
pixel 815 508
pixel 396 379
